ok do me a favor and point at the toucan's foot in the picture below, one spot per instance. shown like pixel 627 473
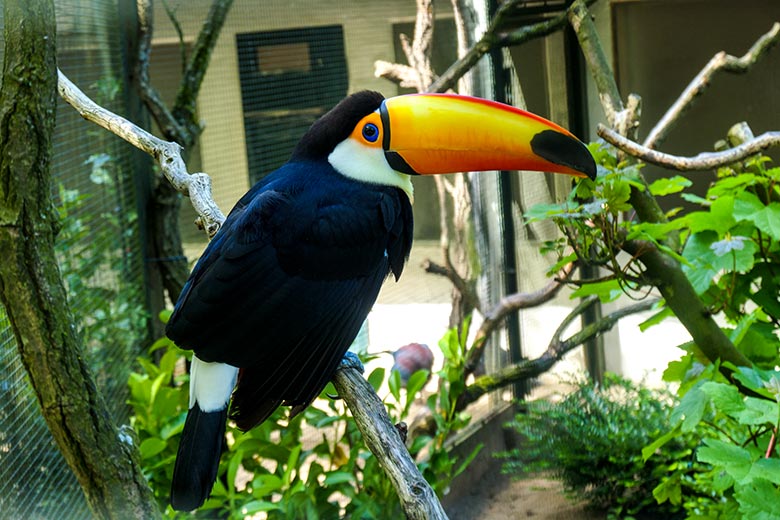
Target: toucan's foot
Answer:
pixel 351 360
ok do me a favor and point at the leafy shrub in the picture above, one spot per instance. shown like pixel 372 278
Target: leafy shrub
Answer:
pixel 312 466
pixel 592 441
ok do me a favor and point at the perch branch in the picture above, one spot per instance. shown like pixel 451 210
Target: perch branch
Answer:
pixel 404 75
pixel 507 305
pixel 418 499
pixel 196 186
pixel 697 86
pixel 702 161
pixel 556 349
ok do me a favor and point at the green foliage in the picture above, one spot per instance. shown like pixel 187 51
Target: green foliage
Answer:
pixel 98 229
pixel 313 466
pixel 730 251
pixel 592 441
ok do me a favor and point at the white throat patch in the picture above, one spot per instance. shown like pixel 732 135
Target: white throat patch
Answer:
pixel 368 164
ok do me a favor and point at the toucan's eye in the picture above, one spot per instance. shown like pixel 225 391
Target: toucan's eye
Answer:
pixel 370 132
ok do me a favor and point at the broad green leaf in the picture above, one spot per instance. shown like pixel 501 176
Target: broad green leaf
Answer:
pixel 768 469
pixel 758 500
pixel 758 411
pixel 690 410
pixel 235 462
pixel 151 447
pixel 726 398
pixel 667 186
pixel 736 461
pixel 257 506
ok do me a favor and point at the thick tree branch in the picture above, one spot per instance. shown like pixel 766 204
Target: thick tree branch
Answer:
pixel 555 351
pixel 404 75
pixel 697 86
pixel 507 305
pixel 418 499
pixel 702 161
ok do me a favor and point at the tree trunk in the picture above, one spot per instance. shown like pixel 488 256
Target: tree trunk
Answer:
pixel 31 287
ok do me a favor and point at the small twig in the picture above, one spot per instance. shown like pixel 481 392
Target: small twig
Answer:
pixel 702 161
pixel 404 75
pixel 721 61
pixel 167 154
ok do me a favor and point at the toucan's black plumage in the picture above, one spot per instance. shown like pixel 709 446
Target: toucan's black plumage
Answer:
pixel 283 288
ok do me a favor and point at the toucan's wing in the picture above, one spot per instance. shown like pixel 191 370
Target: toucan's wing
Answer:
pixel 283 288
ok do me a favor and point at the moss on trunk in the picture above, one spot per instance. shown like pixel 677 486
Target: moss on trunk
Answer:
pixel 31 288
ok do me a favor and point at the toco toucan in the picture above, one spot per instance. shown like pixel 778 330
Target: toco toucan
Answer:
pixel 281 291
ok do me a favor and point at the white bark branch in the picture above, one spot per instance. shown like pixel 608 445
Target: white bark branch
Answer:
pixel 197 186
pixel 721 61
pixel 702 161
pixel 417 497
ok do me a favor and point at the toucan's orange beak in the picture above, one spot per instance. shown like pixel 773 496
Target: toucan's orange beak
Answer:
pixel 446 133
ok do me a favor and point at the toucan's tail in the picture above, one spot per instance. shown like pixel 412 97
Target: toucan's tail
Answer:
pixel 200 447
pixel 197 461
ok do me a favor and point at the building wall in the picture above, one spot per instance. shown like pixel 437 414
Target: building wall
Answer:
pixel 368 37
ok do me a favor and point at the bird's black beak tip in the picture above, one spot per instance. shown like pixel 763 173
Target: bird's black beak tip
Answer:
pixel 565 150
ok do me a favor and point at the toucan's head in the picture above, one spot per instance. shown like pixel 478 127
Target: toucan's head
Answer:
pixel 385 141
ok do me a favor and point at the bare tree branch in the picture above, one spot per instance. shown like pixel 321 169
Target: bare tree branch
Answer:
pixel 507 305
pixel 697 86
pixel 493 38
pixel 404 75
pixel 702 161
pixel 196 186
pixel 555 351
pixel 151 98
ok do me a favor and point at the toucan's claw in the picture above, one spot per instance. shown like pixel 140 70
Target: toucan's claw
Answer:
pixel 351 360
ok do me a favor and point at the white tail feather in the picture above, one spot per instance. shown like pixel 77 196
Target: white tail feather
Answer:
pixel 211 384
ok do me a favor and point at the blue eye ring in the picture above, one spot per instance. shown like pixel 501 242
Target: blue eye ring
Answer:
pixel 370 132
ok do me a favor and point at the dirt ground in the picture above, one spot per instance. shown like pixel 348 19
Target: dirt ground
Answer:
pixel 500 497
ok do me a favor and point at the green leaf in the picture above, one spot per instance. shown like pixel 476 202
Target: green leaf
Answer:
pixel 607 291
pixel 258 506
pixel 376 377
pixel 654 446
pixel 395 385
pixel 151 447
pixel 766 218
pixel 690 410
pixel 235 462
pixel 656 318
pixel 758 500
pixel 758 411
pixel 539 212
pixel 265 484
pixel 669 489
pixel 736 461
pixel 667 186
pixel 338 477
pixel 768 469
pixel 726 398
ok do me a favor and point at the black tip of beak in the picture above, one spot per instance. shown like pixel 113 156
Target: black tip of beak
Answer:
pixel 565 150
